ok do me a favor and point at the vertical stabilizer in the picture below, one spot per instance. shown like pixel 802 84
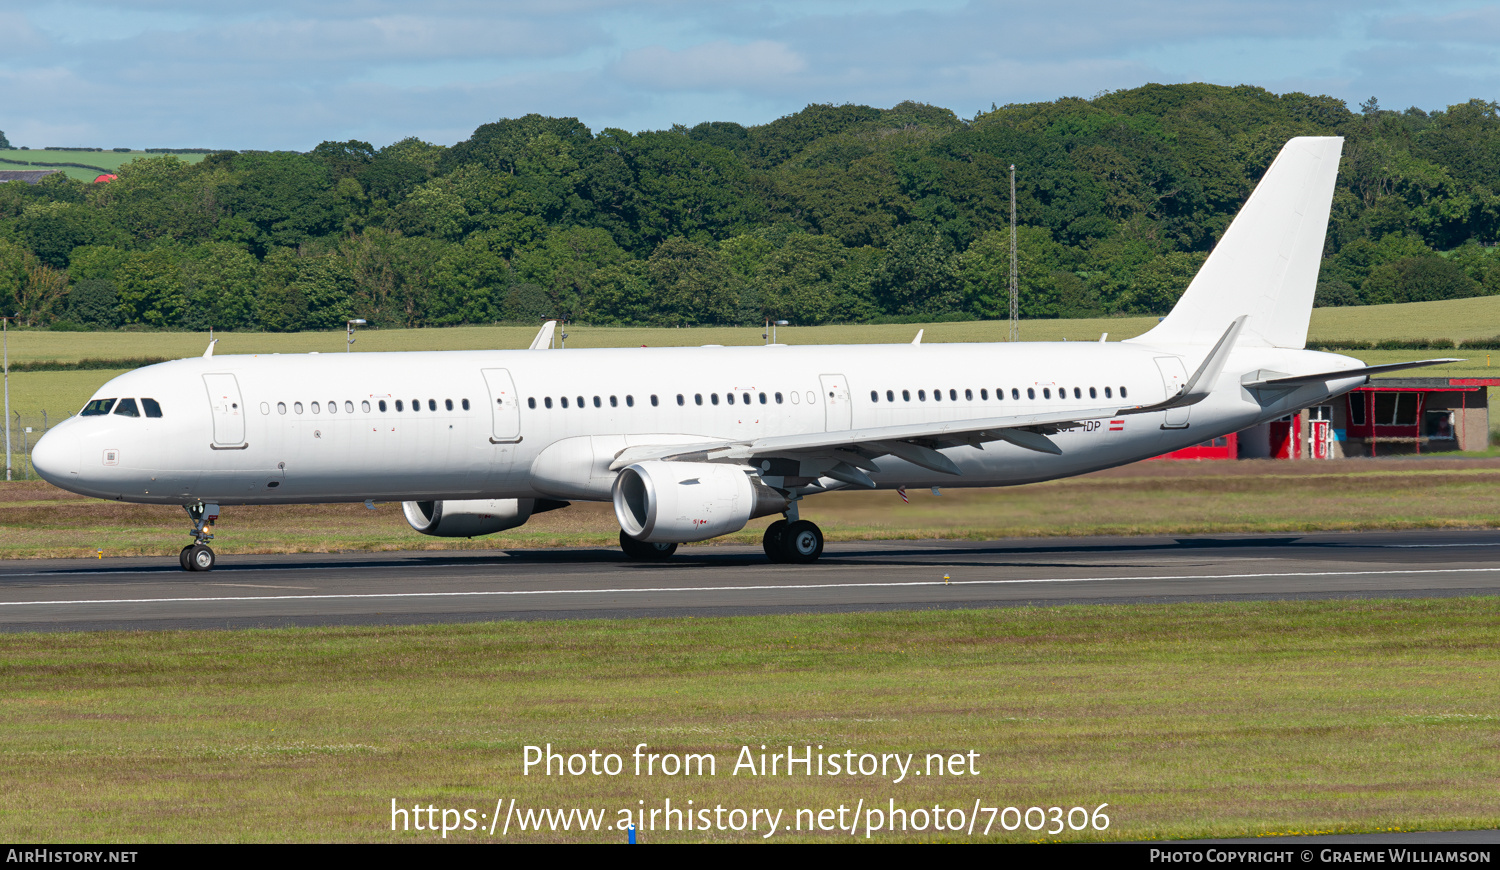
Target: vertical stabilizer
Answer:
pixel 1265 268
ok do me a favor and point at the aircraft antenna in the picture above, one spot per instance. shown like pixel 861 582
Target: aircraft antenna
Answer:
pixel 1015 326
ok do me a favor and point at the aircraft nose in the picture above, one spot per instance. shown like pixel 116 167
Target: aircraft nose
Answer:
pixel 55 457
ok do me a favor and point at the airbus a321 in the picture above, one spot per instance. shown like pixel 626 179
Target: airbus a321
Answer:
pixel 693 443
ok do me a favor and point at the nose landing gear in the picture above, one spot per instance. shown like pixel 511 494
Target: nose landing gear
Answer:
pixel 197 556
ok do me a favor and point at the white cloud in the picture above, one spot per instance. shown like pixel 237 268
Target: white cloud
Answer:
pixel 712 66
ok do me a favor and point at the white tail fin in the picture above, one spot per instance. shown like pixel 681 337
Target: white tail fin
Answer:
pixel 1266 266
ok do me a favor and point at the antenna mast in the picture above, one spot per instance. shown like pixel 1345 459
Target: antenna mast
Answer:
pixel 1015 326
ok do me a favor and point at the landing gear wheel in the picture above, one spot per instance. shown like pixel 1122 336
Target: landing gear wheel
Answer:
pixel 200 558
pixel 801 543
pixel 645 551
pixel 774 543
pixel 182 557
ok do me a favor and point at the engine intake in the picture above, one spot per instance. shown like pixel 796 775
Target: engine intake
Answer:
pixel 679 502
pixel 471 518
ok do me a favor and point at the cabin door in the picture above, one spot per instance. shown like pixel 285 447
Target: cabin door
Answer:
pixel 227 408
pixel 1173 378
pixel 837 407
pixel 505 410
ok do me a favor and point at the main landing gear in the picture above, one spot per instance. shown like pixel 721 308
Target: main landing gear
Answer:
pixel 796 542
pixel 645 551
pixel 197 556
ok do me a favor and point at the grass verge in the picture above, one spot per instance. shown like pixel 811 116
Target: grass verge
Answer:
pixel 1227 719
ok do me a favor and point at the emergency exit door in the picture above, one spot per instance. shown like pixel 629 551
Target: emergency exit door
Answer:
pixel 505 409
pixel 839 410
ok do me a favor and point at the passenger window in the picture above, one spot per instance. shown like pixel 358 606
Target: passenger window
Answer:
pixel 654 402
pixel 297 407
pixel 921 395
pixel 1031 392
pixel 382 406
pixel 416 404
pixel 968 395
pixel 1077 393
pixel 265 408
pixel 466 404
pixel 432 404
pixel 1123 394
pixel 984 394
pixel 1108 394
pixel 1046 392
pixel 448 403
pixel 679 399
pixel 937 395
pixel 796 398
pixel 713 397
pixel 614 402
pixel 564 401
pixel 629 401
pixel 874 396
pixel 547 401
pixel 953 394
pixel 890 396
pixel 906 395
pixel 530 403
pixel 762 398
pixel 96 408
pixel 597 403
pixel 1093 393
pixel 364 405
pixel 316 408
pixel 1016 394
pixel 698 397
pixel 154 410
pixel 811 397
pixel 281 407
pixel 398 406
pixel 580 403
pixel 778 398
pixel 127 408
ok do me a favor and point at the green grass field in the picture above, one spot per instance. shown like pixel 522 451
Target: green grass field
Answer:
pixel 1453 320
pixel 1198 720
pixel 11 158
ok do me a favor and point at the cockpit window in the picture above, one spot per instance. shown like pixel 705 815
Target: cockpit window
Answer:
pixel 151 407
pixel 127 408
pixel 96 408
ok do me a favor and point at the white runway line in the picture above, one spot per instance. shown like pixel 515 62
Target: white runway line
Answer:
pixel 772 588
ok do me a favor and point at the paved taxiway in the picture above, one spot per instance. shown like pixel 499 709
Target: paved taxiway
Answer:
pixel 421 587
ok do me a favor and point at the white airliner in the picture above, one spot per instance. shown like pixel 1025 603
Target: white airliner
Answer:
pixel 693 443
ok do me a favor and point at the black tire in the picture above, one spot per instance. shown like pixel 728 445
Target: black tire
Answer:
pixel 182 558
pixel 773 542
pixel 201 558
pixel 645 551
pixel 801 543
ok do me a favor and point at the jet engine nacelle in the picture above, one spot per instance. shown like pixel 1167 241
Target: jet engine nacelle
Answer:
pixel 468 519
pixel 678 502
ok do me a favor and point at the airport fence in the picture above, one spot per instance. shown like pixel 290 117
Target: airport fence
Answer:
pixel 25 431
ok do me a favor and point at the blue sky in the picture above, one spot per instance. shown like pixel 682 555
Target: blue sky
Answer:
pixel 285 75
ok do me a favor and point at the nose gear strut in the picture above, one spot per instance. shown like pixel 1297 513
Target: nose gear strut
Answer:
pixel 197 556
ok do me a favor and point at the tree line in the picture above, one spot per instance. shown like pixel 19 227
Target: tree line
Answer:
pixel 836 213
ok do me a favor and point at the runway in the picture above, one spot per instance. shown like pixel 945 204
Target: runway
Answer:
pixel 428 587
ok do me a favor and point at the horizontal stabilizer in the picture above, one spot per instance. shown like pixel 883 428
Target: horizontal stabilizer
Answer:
pixel 1320 377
